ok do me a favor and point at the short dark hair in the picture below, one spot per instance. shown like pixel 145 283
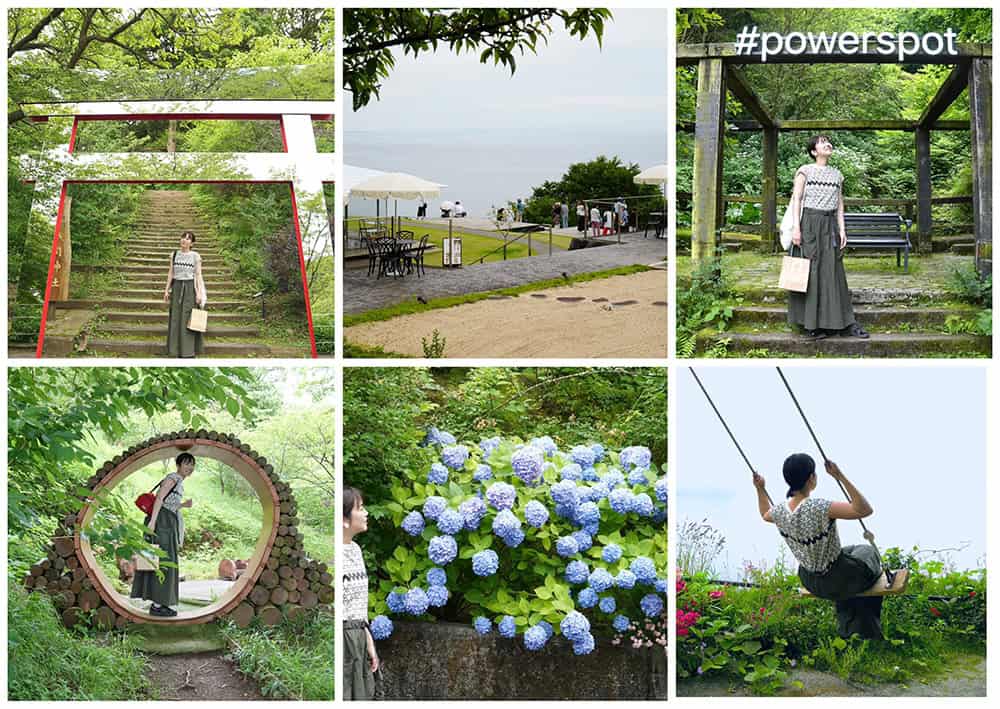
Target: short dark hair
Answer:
pixel 189 234
pixel 184 458
pixel 811 145
pixel 352 499
pixel 797 470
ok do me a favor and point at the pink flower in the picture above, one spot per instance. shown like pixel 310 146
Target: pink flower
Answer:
pixel 935 612
pixel 715 595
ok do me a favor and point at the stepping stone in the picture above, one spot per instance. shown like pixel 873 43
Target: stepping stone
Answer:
pixel 625 302
pixel 539 295
pixel 599 300
pixel 660 303
pixel 879 345
pixel 570 299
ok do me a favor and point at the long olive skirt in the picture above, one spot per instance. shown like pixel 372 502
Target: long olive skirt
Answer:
pixel 145 584
pixel 826 305
pixel 182 342
pixel 855 571
pixel 359 682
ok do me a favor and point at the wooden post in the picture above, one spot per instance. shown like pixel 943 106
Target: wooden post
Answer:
pixel 64 256
pixel 981 118
pixel 769 204
pixel 706 181
pixel 922 137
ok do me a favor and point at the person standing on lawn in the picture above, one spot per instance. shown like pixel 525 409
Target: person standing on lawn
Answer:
pixel 360 658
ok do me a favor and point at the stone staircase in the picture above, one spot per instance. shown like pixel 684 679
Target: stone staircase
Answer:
pixel 133 317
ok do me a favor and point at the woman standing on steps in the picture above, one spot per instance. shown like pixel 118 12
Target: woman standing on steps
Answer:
pixel 818 228
pixel 166 527
pixel 185 288
pixel 360 658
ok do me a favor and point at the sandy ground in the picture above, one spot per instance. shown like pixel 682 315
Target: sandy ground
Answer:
pixel 621 316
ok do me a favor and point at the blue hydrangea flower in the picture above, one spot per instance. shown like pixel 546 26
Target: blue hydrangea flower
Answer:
pixel 437 577
pixel 590 475
pixel 621 623
pixel 547 627
pixel 450 522
pixel 527 464
pixel 488 445
pixel 574 626
pixel 564 493
pixel 535 638
pixel 582 456
pixel 566 511
pixel 635 457
pixel 611 553
pixel 545 444
pixel 437 596
pixel 501 495
pixel 483 473
pixel 507 626
pixel 583 540
pixel 482 625
pixel 433 506
pixel 586 598
pixel 651 604
pixel 607 604
pixel 455 456
pixel 485 563
pixel 571 472
pixel 613 478
pixel 600 580
pixel 642 505
pixel 577 572
pixel 536 514
pixel 587 513
pixel 507 526
pixel 436 437
pixel 644 569
pixel 660 515
pixel 413 524
pixel 416 601
pixel 442 550
pixel 660 586
pixel 638 477
pixel 438 474
pixel 395 602
pixel 584 645
pixel 625 579
pixel 598 452
pixel 620 500
pixel 660 488
pixel 599 491
pixel 381 627
pixel 472 510
pixel 566 546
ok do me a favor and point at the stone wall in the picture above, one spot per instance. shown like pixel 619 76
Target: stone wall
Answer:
pixel 452 661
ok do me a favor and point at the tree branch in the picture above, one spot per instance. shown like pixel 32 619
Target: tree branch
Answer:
pixel 25 41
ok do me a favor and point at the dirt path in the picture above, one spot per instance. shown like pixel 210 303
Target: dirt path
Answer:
pixel 621 316
pixel 199 676
pixel 964 680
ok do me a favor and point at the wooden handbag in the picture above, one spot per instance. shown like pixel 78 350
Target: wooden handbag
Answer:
pixel 199 320
pixel 794 272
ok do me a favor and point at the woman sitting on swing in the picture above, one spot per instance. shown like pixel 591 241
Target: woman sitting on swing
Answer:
pixel 808 525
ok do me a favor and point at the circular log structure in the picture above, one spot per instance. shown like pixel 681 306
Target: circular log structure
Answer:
pixel 280 580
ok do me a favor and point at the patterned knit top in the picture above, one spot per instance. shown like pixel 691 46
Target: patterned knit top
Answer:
pixel 355 586
pixel 184 265
pixel 175 497
pixel 823 186
pixel 810 533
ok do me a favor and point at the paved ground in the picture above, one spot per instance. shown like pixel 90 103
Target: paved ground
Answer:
pixel 362 293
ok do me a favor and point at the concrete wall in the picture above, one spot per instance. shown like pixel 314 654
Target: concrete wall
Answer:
pixel 452 661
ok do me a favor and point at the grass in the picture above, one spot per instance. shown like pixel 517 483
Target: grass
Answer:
pixel 322 303
pixel 291 661
pixel 409 308
pixel 47 662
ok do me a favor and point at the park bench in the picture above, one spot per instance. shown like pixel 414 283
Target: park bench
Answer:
pixel 880 231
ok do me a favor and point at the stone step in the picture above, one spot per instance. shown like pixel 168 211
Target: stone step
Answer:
pixel 161 252
pixel 868 316
pixel 164 316
pixel 138 304
pixel 160 269
pixel 169 244
pixel 159 281
pixel 879 345
pixel 158 349
pixel 946 243
pixel 964 249
pixel 859 296
pixel 161 331
pixel 154 293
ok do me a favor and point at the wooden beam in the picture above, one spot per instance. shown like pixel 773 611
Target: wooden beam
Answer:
pixel 769 208
pixel 710 112
pixel 981 115
pixel 907 126
pixel 954 84
pixel 688 54
pixel 922 138
pixel 740 88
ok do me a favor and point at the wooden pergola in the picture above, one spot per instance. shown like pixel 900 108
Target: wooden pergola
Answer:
pixel 719 72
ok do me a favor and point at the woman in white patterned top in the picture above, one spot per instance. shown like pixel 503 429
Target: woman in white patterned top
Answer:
pixel 360 658
pixel 808 525
pixel 185 290
pixel 817 206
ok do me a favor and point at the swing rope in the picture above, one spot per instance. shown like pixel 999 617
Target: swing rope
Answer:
pixel 868 534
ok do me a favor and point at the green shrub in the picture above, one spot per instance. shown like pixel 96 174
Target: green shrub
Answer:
pixel 702 304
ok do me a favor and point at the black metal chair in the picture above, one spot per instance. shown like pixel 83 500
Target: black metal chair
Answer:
pixel 414 258
pixel 369 244
pixel 389 257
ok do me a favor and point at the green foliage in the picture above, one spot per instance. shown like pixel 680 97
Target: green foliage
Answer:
pixel 293 660
pixel 499 34
pixel 435 348
pixel 705 302
pixel 46 662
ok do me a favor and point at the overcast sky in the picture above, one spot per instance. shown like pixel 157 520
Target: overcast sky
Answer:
pixel 912 439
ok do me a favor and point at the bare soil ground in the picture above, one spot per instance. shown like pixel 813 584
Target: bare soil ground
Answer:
pixel 199 677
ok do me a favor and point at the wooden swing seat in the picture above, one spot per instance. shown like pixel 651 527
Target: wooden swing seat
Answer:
pixel 880 587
